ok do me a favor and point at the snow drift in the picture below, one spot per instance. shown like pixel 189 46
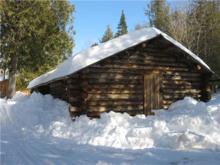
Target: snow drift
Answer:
pixel 188 124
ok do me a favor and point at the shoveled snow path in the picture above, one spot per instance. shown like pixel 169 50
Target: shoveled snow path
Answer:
pixel 17 147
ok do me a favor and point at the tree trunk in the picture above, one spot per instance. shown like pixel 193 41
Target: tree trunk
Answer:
pixel 12 77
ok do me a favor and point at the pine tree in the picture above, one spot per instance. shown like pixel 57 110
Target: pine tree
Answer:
pixel 122 26
pixel 108 35
pixel 33 36
pixel 159 15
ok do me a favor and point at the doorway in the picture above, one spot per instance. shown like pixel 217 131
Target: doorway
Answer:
pixel 152 98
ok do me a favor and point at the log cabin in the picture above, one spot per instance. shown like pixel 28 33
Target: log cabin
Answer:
pixel 134 73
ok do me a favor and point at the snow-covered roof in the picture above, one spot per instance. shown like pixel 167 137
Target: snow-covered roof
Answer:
pixel 107 49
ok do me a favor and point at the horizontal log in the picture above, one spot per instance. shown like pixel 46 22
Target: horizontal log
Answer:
pixel 143 68
pixel 115 108
pixel 169 99
pixel 179 87
pixel 172 86
pixel 115 91
pixel 94 99
pixel 174 97
pixel 179 82
pixel 119 107
pixel 144 62
pixel 184 91
pixel 146 57
pixel 193 80
pixel 113 82
pixel 114 76
pixel 114 96
pixel 94 69
pixel 112 71
pixel 182 74
pixel 113 87
pixel 180 94
pixel 110 103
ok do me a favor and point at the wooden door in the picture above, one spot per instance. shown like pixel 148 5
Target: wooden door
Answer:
pixel 152 98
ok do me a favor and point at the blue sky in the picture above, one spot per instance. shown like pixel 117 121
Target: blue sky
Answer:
pixel 92 17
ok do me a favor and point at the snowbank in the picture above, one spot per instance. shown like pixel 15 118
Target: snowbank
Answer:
pixel 188 124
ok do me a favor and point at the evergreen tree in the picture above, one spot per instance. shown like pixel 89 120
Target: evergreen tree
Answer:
pixel 122 26
pixel 33 36
pixel 108 35
pixel 159 15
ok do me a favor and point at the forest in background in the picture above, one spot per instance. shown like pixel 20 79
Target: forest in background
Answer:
pixel 38 35
pixel 197 27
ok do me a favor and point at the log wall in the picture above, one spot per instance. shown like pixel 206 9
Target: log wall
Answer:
pixel 117 83
pixel 70 90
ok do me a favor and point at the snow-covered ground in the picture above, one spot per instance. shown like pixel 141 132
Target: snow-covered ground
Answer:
pixel 37 129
